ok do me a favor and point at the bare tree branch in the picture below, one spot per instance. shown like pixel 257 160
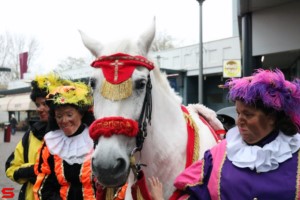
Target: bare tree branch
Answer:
pixel 72 63
pixel 162 41
pixel 5 43
pixel 11 45
pixel 33 49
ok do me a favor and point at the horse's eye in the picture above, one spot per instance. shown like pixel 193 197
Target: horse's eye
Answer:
pixel 92 83
pixel 140 84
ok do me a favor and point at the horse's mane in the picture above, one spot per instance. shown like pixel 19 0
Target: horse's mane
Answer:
pixel 162 82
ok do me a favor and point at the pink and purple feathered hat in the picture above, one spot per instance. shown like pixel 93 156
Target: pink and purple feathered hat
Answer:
pixel 269 87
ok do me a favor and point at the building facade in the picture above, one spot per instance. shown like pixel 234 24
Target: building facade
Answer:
pixel 266 34
pixel 182 68
pixel 269 33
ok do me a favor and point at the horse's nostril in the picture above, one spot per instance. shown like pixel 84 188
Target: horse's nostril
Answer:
pixel 119 166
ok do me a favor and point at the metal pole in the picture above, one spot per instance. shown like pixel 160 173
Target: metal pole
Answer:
pixel 247 61
pixel 200 78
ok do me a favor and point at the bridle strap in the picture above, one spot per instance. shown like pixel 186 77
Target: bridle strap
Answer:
pixel 144 119
pixel 145 116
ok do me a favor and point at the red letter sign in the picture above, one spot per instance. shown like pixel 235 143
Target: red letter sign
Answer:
pixel 8 193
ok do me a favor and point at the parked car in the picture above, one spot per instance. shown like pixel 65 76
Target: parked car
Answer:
pixel 227 116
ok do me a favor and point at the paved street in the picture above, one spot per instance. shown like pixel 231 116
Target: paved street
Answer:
pixel 5 150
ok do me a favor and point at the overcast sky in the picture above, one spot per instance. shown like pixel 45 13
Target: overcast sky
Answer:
pixel 55 23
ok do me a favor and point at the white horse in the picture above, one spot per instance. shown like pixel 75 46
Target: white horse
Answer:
pixel 163 147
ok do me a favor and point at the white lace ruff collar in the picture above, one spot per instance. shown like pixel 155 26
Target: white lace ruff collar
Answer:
pixel 265 158
pixel 71 149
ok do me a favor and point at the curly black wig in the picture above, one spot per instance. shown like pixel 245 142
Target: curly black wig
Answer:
pixel 283 121
pixel 36 91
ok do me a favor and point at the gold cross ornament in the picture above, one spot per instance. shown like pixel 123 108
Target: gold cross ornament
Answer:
pixel 116 64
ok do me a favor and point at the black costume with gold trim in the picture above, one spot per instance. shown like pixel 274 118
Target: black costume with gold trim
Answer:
pixel 64 167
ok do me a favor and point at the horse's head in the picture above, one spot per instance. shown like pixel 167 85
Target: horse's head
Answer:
pixel 122 104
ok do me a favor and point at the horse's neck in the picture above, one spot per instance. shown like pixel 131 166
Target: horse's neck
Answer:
pixel 164 149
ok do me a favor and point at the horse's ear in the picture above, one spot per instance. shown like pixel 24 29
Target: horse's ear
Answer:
pixel 91 44
pixel 147 37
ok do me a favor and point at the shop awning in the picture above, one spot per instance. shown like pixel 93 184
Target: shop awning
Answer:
pixel 4 101
pixel 20 102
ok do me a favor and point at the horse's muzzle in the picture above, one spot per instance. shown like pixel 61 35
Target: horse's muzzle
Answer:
pixel 114 175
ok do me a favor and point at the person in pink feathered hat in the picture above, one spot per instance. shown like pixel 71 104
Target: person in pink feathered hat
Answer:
pixel 259 159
